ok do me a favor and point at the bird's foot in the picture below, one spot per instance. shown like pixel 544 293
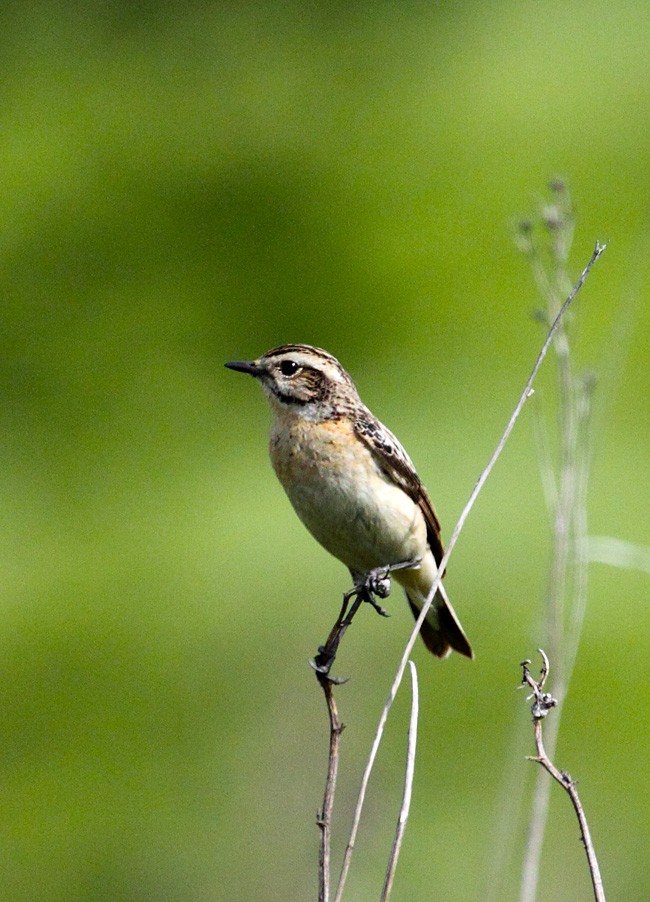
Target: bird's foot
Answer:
pixel 372 601
pixel 376 583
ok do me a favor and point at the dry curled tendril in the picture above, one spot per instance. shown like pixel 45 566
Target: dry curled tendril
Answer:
pixel 543 701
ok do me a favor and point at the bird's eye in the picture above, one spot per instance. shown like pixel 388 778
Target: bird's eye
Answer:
pixel 289 367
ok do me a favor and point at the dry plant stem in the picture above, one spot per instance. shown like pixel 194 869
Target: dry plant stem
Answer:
pixel 437 585
pixel 408 787
pixel 569 531
pixel 324 818
pixel 322 664
pixel 541 706
pixel 565 781
pixel 568 577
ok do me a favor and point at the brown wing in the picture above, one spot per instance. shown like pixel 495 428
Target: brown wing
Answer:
pixel 433 525
pixel 393 460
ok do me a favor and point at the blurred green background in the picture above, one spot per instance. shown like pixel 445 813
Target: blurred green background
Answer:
pixel 185 184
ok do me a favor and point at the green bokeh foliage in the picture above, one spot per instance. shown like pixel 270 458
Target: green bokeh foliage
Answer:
pixel 186 184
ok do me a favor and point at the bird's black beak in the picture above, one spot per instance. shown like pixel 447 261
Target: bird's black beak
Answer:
pixel 243 366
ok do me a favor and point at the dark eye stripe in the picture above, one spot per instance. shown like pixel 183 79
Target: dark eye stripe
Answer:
pixel 288 398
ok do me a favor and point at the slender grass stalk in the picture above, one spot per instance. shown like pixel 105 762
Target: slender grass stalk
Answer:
pixel 567 586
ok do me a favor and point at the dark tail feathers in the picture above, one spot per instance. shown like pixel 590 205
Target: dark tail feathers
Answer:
pixel 441 631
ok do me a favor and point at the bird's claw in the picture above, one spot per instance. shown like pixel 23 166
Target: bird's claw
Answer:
pixel 377 583
pixel 375 604
pixel 322 663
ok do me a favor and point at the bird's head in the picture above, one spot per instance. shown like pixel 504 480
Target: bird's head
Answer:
pixel 304 380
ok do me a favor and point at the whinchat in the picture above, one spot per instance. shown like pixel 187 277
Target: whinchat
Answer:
pixel 351 482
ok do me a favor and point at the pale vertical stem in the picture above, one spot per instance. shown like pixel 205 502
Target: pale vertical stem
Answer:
pixel 568 578
pixel 580 525
pixel 408 787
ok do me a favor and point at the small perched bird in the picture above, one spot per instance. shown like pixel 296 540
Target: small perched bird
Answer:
pixel 351 482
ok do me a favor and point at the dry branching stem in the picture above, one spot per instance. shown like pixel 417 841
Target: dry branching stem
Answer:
pixel 322 664
pixel 376 583
pixel 543 702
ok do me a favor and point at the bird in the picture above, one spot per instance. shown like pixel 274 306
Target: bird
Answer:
pixel 351 482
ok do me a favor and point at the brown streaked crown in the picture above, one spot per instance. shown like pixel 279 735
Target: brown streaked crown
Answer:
pixel 302 376
pixel 310 350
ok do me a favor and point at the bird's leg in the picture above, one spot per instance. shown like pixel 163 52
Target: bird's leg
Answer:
pixel 323 661
pixel 368 594
pixel 374 583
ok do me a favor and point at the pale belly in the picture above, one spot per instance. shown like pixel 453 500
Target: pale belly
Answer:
pixel 344 500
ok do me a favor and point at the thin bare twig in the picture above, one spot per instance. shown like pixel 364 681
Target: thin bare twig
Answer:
pixel 408 787
pixel 378 582
pixel 324 817
pixel 322 665
pixel 437 584
pixel 542 704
